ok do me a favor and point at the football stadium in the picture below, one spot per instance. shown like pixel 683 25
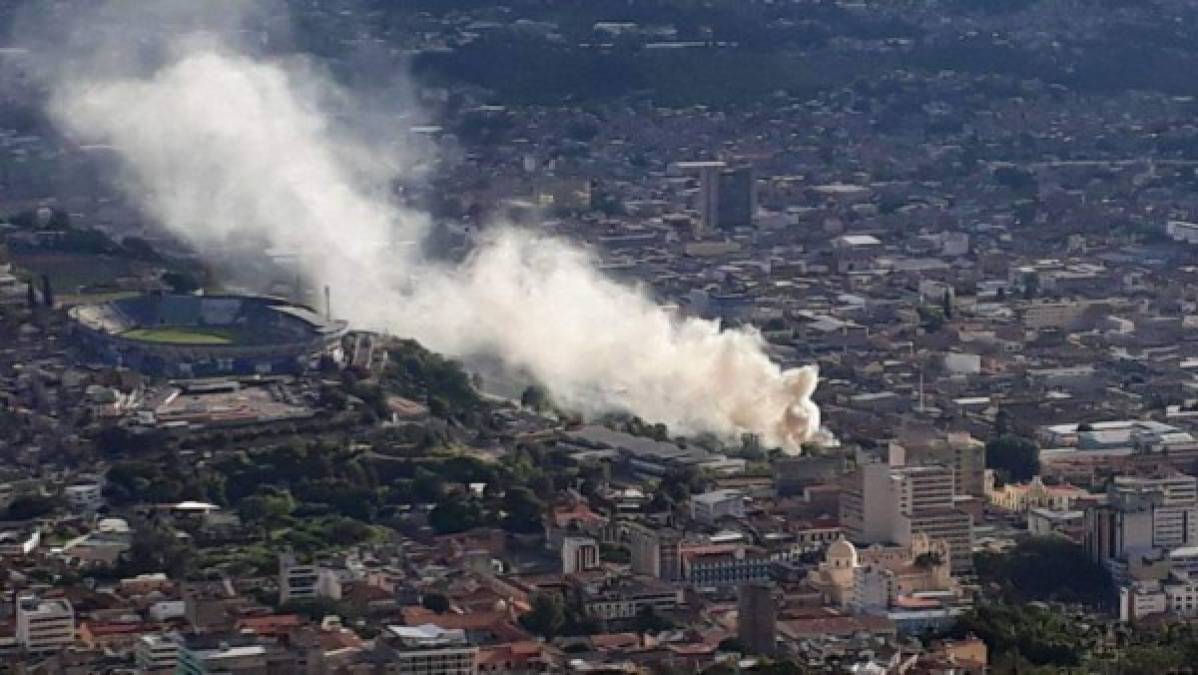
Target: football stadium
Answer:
pixel 206 336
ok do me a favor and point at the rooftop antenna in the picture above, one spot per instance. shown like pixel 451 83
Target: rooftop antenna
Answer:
pixel 328 304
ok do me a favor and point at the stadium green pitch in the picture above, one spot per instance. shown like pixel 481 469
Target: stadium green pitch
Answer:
pixel 184 335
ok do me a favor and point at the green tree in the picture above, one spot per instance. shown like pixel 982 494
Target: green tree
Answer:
pixel 157 548
pixel 1046 569
pixel 1002 423
pixel 428 486
pixel 1151 660
pixel 522 511
pixel 681 482
pixel 316 609
pixel 547 615
pixel 268 506
pixel 1041 636
pixel 649 621
pixel 1016 457
pixel 455 512
pixel 30 506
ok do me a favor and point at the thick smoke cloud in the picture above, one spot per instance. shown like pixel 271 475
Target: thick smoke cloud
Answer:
pixel 233 151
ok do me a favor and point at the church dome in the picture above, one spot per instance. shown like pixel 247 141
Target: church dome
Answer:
pixel 842 553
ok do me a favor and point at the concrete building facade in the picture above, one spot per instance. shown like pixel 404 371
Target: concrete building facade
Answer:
pixel 756 623
pixel 884 503
pixel 44 625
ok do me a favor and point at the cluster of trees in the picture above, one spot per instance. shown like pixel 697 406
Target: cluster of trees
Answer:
pixel 1046 569
pixel 318 472
pixel 250 560
pixel 676 487
pixel 156 482
pixel 157 547
pixel 316 609
pixel 30 506
pixel 295 484
pixel 417 373
pixel 118 441
pixel 551 616
pixel 1036 633
pixel 319 493
pixel 1167 648
pixel 315 534
pixel 516 509
pixel 1013 458
pixel 1015 621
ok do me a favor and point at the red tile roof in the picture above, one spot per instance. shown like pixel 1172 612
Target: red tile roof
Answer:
pixel 487 620
pixel 513 652
pixel 272 624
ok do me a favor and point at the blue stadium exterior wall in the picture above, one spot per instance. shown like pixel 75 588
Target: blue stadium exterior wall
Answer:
pixel 169 360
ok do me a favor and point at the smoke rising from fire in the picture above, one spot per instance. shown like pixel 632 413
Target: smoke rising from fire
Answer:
pixel 229 150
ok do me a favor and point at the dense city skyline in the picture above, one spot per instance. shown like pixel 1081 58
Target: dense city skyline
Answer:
pixel 585 336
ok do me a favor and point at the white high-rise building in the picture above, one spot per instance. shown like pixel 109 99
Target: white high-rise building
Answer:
pixel 45 625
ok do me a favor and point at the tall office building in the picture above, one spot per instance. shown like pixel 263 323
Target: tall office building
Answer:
pixel 884 503
pixel 756 622
pixel 736 198
pixel 959 450
pixel 709 193
pixel 655 552
pixel 727 197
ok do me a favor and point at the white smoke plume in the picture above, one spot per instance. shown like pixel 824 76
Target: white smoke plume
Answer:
pixel 226 149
